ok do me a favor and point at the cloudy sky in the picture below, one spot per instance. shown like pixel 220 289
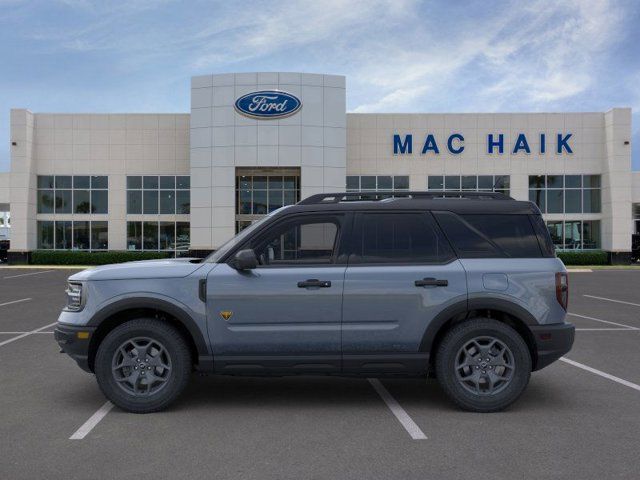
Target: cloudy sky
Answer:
pixel 398 56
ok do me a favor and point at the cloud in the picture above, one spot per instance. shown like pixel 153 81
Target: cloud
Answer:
pixel 528 57
pixel 398 55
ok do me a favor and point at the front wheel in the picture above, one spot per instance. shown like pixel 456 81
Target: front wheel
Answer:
pixel 143 365
pixel 483 365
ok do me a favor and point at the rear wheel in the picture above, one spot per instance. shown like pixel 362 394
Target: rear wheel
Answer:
pixel 143 365
pixel 483 365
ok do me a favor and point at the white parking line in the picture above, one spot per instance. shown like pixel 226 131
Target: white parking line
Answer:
pixel 15 301
pixel 87 426
pixel 399 412
pixel 627 327
pixel 607 329
pixel 612 300
pixel 13 339
pixel 619 380
pixel 26 274
pixel 17 333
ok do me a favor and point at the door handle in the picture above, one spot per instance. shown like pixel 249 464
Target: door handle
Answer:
pixel 314 282
pixel 431 282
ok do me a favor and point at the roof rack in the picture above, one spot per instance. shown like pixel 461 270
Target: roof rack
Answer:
pixel 321 198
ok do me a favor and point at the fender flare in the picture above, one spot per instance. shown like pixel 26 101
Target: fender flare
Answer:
pixel 464 307
pixel 155 303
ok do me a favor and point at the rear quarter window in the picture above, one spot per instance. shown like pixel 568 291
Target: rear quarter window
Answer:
pixel 490 235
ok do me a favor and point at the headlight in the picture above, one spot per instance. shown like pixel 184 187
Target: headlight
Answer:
pixel 74 297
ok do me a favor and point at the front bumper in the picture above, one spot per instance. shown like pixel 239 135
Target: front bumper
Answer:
pixel 552 342
pixel 75 341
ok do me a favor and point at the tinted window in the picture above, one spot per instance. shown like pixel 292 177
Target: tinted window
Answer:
pixel 307 240
pixel 469 242
pixel 134 201
pixel 63 201
pixel 398 238
pixel 99 236
pixel 544 240
pixel 99 201
pixel 81 235
pixel 99 182
pixel 513 234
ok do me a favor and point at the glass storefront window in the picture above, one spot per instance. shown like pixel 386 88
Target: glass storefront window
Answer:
pixel 591 200
pixel 99 236
pixel 591 234
pixel 183 201
pixel 167 236
pixel 134 201
pixel 572 235
pixel 64 235
pixel 81 232
pixel 153 194
pixel 539 198
pixel 150 202
pixel 68 235
pixel 575 234
pixel 99 201
pixel 150 235
pixel 183 235
pixel 63 201
pixel 380 183
pixel 45 235
pixel 260 191
pixel 80 194
pixel 367 182
pixel 451 182
pixel 82 201
pixel 155 236
pixel 45 201
pixel 566 194
pixel 167 202
pixel 134 235
pixel 555 200
pixel 470 183
pixel 81 182
pixel 573 201
pixel 556 232
pixel 435 182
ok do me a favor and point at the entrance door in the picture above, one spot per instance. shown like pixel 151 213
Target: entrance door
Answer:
pixel 284 315
pixel 401 274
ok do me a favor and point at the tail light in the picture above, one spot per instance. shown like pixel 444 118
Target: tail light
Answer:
pixel 562 289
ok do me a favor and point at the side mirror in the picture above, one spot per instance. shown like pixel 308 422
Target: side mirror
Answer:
pixel 245 260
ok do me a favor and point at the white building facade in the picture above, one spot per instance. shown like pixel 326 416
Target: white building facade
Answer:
pixel 254 142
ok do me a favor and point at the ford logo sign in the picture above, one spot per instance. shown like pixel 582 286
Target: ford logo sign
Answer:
pixel 268 104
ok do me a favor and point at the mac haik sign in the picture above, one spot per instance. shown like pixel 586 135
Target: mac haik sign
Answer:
pixel 495 144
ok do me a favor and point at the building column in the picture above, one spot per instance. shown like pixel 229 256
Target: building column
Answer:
pixel 23 186
pixel 616 184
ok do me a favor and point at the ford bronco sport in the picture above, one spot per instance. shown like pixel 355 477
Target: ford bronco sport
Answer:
pixel 464 286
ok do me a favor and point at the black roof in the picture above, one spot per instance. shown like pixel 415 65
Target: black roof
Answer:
pixel 457 202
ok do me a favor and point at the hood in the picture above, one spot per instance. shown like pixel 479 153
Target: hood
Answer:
pixel 145 269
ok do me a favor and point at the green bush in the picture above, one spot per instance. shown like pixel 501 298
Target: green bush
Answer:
pixel 595 257
pixel 64 257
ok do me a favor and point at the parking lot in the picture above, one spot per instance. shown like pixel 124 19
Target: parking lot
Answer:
pixel 579 418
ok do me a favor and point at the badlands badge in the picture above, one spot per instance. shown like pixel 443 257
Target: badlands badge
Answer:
pixel 226 314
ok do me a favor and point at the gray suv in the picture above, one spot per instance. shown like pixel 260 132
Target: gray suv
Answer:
pixel 465 287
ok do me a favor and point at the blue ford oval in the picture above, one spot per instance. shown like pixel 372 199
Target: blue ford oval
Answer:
pixel 268 104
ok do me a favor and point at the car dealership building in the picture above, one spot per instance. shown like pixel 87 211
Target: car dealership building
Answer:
pixel 254 142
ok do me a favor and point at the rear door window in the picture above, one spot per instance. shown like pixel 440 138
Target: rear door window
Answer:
pixel 398 237
pixel 513 234
pixel 490 235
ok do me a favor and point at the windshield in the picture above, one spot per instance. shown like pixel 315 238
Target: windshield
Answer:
pixel 215 257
